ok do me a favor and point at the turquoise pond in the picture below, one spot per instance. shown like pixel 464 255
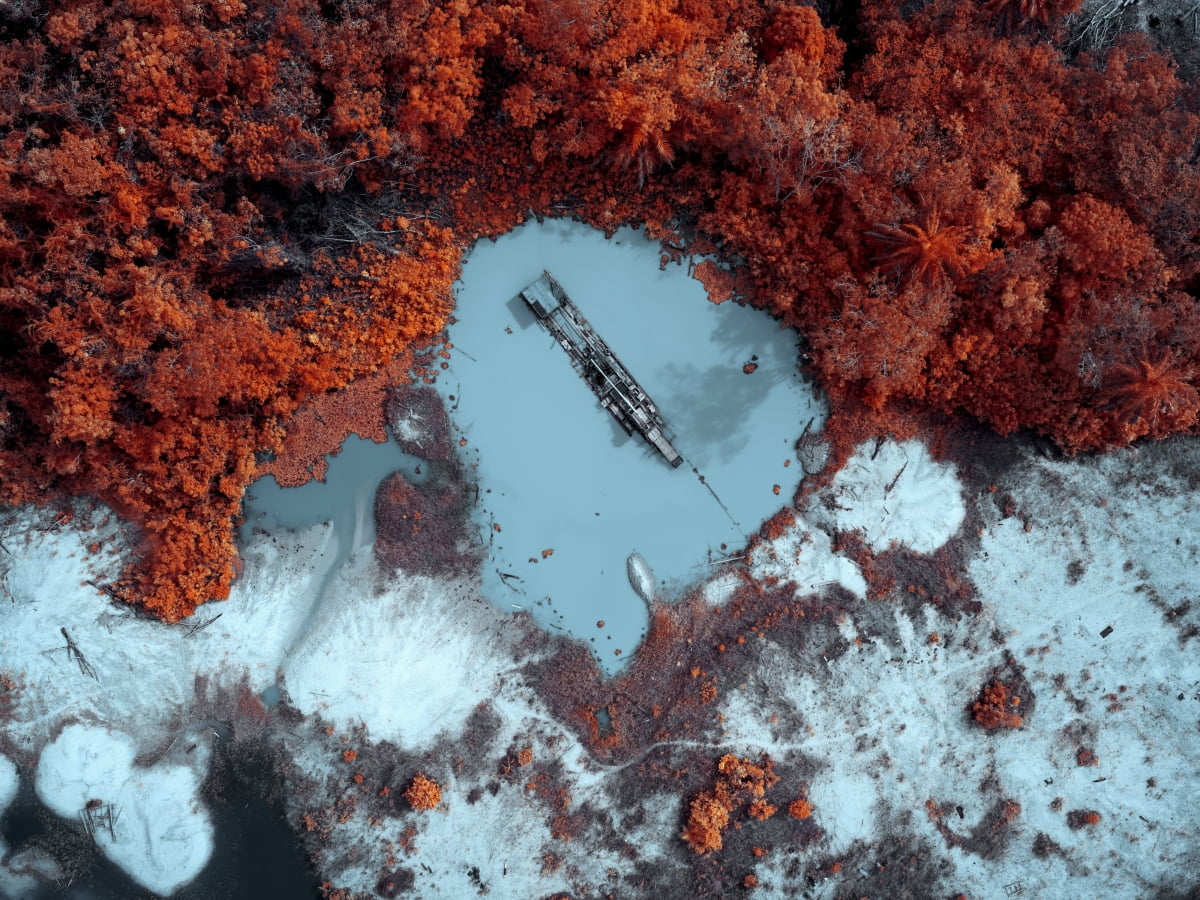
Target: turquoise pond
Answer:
pixel 555 471
pixel 558 473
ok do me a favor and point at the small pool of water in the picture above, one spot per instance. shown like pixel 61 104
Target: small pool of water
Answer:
pixel 346 497
pixel 557 473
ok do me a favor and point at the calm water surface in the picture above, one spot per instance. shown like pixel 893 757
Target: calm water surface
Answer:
pixel 557 473
pixel 565 496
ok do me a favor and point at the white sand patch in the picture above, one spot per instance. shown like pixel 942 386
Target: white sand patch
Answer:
pixel 1135 693
pixel 9 782
pixel 658 830
pixel 409 427
pixel 803 556
pixel 641 576
pixel 886 718
pixel 409 660
pixel 720 590
pixel 146 820
pixel 890 718
pixel 846 808
pixel 144 671
pixel 501 838
pixel 900 496
pixel 499 845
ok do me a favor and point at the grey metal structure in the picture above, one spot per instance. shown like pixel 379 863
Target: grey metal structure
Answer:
pixel 592 358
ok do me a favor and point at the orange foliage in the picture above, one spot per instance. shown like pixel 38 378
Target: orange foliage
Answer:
pixel 210 216
pixel 800 809
pixel 423 793
pixel 718 283
pixel 319 428
pixel 996 708
pixel 761 809
pixel 708 818
pixel 1154 391
pixel 923 252
pixel 709 813
pixel 1016 13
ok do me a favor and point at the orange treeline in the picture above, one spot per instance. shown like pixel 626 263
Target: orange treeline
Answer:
pixel 212 212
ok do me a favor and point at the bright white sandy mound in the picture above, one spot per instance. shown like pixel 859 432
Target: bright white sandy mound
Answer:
pixel 139 670
pixel 894 494
pixel 641 576
pixel 8 782
pixel 146 820
pixel 410 661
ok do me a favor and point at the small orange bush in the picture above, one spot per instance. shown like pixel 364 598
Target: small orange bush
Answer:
pixel 710 812
pixel 995 707
pixel 800 809
pixel 423 792
pixel 1079 818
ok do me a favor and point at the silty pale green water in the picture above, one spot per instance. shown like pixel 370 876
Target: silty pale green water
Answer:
pixel 557 473
pixel 565 496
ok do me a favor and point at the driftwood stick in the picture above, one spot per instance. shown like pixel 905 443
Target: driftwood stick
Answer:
pixel 887 490
pixel 200 626
pixel 76 654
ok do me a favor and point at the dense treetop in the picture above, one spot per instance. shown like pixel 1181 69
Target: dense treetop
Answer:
pixel 212 212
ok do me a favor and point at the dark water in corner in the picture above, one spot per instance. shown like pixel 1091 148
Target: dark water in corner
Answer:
pixel 257 856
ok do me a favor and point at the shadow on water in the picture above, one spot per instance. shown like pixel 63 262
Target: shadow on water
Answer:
pixel 520 312
pixel 742 335
pixel 710 411
pixel 619 437
pixel 256 854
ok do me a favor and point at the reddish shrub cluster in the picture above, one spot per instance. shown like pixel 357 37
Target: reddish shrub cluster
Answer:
pixel 800 809
pixel 421 528
pixel 1081 818
pixel 8 688
pixel 738 781
pixel 996 707
pixel 319 428
pixel 423 793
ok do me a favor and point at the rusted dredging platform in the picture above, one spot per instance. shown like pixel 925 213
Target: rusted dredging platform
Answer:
pixel 618 391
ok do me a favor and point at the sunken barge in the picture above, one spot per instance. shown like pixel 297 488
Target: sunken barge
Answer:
pixel 617 390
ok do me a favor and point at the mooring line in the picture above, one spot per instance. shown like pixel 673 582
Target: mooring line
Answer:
pixel 724 508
